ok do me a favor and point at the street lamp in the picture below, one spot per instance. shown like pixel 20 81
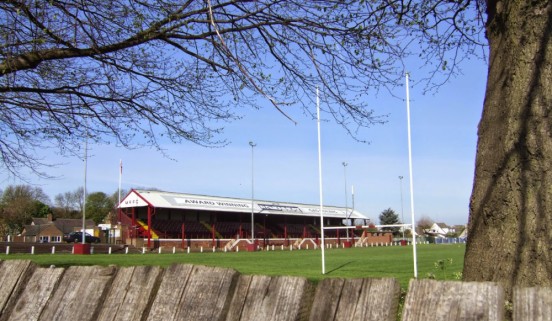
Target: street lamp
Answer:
pixel 252 144
pixel 402 212
pixel 346 196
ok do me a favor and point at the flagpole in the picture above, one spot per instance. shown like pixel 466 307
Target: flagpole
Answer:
pixel 83 238
pixel 411 180
pixel 120 178
pixel 322 244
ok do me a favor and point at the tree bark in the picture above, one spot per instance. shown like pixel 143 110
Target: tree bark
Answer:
pixel 510 224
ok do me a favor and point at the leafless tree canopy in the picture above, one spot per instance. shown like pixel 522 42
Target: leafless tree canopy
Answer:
pixel 130 72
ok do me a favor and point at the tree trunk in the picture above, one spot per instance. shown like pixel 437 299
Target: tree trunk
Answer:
pixel 510 224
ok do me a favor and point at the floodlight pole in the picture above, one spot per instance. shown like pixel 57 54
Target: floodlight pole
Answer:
pixel 353 200
pixel 402 207
pixel 83 238
pixel 252 144
pixel 346 196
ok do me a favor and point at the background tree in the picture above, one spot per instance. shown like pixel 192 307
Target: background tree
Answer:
pixel 69 204
pixel 19 204
pixel 389 217
pixel 176 70
pixel 98 206
pixel 424 223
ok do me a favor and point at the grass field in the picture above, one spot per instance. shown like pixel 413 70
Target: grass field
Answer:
pixel 373 262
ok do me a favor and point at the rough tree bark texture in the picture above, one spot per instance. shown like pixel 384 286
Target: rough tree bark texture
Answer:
pixel 510 225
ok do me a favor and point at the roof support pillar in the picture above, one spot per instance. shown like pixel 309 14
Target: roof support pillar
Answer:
pixel 149 226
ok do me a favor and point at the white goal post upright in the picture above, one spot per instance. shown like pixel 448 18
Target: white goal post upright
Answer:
pixel 414 254
pixel 322 244
pixel 411 179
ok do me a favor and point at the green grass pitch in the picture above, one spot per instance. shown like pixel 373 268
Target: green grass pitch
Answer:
pixel 442 262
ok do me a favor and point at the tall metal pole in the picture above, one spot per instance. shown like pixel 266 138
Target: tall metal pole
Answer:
pixel 411 181
pixel 346 197
pixel 84 190
pixel 352 199
pixel 120 179
pixel 402 207
pixel 322 243
pixel 252 144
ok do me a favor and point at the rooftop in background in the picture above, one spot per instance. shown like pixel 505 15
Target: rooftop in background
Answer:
pixel 160 199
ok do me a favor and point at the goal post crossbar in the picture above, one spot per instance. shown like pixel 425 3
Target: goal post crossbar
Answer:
pixel 364 226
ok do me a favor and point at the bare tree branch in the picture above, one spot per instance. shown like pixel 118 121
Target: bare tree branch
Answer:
pixel 180 69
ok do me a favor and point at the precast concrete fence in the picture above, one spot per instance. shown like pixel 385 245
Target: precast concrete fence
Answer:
pixel 196 293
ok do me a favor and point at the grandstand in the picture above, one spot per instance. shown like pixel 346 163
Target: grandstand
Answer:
pixel 189 220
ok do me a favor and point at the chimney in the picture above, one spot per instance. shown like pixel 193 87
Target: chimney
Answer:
pixel 50 217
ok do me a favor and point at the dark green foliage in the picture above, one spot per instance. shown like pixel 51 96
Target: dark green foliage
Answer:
pixel 98 206
pixel 389 217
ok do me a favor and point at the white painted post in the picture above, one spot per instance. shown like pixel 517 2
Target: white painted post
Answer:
pixel 272 247
pixel 32 249
pixel 307 246
pixel 159 250
pixel 237 248
pixel 7 250
pixel 53 250
pixel 126 250
pixel 143 250
pixel 109 250
pixel 290 247
pixel 282 247
pixel 188 250
pixel 174 249
pixel 214 249
pixel 201 249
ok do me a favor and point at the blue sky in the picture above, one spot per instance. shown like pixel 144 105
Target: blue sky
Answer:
pixel 444 137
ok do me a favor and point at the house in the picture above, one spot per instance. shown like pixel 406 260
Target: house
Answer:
pixel 439 230
pixel 46 229
pixel 464 234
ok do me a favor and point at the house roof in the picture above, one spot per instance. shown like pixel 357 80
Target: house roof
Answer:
pixel 67 225
pixel 160 199
pixel 40 220
pixel 64 225
pixel 31 230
